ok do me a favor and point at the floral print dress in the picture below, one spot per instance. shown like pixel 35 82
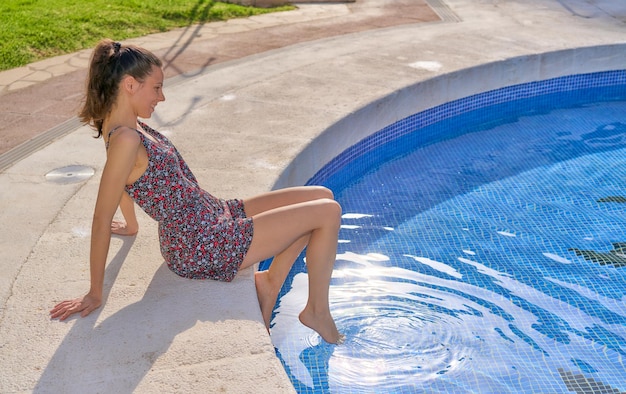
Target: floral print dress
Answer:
pixel 201 236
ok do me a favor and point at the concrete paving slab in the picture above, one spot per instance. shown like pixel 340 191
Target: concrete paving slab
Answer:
pixel 244 125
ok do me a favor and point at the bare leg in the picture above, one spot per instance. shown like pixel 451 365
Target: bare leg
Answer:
pixel 283 197
pixel 320 259
pixel 282 232
pixel 269 282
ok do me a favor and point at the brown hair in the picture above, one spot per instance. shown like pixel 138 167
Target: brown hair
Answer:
pixel 110 62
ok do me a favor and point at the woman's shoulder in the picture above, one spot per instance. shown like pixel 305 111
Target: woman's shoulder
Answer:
pixel 123 135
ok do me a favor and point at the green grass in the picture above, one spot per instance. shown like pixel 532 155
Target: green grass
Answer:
pixel 32 30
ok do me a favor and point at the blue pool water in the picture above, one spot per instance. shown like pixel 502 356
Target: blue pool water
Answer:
pixel 483 249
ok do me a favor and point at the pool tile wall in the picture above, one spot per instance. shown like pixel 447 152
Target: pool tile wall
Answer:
pixel 573 83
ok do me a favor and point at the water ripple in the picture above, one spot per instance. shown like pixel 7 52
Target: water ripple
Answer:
pixel 399 333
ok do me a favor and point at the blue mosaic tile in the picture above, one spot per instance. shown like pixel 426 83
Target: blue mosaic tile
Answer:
pixel 483 255
pixel 580 89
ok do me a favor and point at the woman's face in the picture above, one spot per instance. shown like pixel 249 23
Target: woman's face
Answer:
pixel 149 93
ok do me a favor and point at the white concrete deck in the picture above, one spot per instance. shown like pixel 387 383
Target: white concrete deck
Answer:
pixel 243 127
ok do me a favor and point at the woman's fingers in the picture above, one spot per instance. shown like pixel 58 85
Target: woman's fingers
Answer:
pixel 67 308
pixel 60 310
pixel 121 228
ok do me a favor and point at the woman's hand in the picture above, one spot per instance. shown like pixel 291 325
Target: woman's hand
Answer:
pixel 84 305
pixel 122 228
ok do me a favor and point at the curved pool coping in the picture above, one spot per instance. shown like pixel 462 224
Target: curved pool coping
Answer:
pixel 442 89
pixel 410 128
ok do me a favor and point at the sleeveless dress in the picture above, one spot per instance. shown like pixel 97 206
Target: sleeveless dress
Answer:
pixel 201 236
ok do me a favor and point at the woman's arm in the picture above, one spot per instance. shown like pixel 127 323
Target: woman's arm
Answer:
pixel 121 157
pixel 129 226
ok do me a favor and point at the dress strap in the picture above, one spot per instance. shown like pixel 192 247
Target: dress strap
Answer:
pixel 113 130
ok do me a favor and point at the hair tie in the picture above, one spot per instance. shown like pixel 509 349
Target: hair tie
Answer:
pixel 116 47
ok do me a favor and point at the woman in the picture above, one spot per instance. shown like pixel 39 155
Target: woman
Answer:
pixel 200 235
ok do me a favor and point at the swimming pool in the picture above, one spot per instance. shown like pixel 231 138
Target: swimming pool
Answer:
pixel 482 249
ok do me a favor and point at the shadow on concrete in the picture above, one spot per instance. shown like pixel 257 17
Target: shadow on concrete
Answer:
pixel 115 354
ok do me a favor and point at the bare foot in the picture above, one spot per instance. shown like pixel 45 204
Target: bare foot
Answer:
pixel 266 294
pixel 323 324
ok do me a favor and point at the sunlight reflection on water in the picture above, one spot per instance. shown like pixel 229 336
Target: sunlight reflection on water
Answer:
pixel 480 291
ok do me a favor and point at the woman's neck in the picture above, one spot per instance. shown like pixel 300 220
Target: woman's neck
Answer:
pixel 113 121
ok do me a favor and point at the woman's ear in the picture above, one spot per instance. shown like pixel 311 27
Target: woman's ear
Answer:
pixel 129 84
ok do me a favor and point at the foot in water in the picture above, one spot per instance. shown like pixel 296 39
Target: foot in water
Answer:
pixel 323 324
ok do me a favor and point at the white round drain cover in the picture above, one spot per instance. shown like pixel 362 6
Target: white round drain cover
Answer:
pixel 70 174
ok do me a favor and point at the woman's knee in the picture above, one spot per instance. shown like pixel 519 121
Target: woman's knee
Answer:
pixel 321 192
pixel 332 211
